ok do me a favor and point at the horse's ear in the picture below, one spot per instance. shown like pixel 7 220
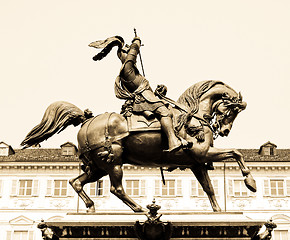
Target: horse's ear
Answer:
pixel 240 97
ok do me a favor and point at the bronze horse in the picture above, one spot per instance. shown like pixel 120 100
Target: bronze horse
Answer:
pixel 203 111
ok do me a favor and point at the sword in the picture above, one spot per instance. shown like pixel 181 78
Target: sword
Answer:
pixel 140 55
pixel 161 169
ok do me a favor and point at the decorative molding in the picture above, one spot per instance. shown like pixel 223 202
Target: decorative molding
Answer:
pixel 21 220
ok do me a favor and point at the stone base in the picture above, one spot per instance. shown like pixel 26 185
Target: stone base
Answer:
pixel 112 225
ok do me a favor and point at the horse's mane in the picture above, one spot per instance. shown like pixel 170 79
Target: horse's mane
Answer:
pixel 190 98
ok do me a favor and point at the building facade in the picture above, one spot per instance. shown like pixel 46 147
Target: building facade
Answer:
pixel 34 186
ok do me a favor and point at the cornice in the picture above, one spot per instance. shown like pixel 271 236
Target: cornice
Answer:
pixel 37 166
pixel 75 165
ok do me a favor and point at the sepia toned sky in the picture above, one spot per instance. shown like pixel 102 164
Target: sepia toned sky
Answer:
pixel 44 57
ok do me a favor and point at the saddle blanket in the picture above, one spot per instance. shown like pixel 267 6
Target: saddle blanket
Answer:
pixel 140 123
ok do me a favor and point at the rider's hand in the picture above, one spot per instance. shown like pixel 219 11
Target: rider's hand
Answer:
pixel 136 38
pixel 161 89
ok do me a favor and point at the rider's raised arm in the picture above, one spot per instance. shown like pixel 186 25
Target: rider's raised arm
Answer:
pixel 129 70
pixel 134 50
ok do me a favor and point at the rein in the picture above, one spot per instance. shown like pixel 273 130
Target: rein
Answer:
pixel 180 106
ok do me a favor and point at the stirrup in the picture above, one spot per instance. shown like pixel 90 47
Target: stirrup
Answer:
pixel 174 149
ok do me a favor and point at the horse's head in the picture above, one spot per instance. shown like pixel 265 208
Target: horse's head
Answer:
pixel 213 102
pixel 226 110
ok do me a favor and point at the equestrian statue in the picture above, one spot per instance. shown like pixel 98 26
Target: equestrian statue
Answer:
pixel 151 130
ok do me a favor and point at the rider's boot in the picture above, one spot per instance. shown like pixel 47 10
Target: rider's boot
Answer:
pixel 174 143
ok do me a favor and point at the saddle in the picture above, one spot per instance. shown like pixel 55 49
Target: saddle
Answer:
pixel 138 123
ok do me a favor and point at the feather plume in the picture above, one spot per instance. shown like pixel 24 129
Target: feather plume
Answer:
pixel 107 46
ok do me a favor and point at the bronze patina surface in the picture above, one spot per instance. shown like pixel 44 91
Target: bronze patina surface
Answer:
pixel 184 139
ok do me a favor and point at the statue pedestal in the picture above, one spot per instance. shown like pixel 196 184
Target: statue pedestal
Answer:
pixel 185 225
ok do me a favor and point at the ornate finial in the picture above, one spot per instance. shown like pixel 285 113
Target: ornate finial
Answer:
pixel 270 225
pixel 47 233
pixel 42 224
pixel 267 234
pixel 153 207
pixel 152 215
pixel 153 227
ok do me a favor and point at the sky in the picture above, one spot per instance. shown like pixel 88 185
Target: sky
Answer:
pixel 44 57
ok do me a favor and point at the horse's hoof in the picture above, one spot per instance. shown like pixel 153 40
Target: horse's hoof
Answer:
pixel 217 209
pixel 250 183
pixel 91 209
pixel 139 209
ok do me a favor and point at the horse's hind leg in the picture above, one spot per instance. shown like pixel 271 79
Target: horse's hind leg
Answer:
pixel 116 174
pixel 78 183
pixel 201 175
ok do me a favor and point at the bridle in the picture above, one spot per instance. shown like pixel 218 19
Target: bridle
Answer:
pixel 216 119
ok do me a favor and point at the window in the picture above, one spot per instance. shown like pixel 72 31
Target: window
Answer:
pixel 135 187
pixel 132 187
pixel 3 151
pixel 20 235
pixel 196 188
pixel 24 187
pixel 60 188
pixel 171 188
pixel 67 151
pixel 276 187
pixel 97 188
pixel 237 188
pixel 280 234
pixel 240 190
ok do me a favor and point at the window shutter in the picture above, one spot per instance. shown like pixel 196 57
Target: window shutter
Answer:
pixel 157 188
pixel 106 189
pixel 266 187
pixel 66 187
pixel 70 190
pixel 1 187
pixel 193 187
pixel 288 187
pixel 143 187
pixel 178 187
pixel 35 188
pixel 30 235
pixel 8 236
pixel 93 189
pixel 49 188
pixel 230 187
pixel 14 187
pixel 215 184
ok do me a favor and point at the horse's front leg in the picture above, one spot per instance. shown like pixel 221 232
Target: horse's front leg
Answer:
pixel 201 175
pixel 217 155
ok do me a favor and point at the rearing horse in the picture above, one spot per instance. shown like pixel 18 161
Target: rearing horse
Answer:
pixel 203 111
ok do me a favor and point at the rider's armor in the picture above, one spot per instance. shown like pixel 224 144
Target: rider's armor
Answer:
pixel 130 84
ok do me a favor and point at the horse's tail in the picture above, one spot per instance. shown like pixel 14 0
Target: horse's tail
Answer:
pixel 56 118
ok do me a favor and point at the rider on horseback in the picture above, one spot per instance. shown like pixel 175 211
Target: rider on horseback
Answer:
pixel 130 84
